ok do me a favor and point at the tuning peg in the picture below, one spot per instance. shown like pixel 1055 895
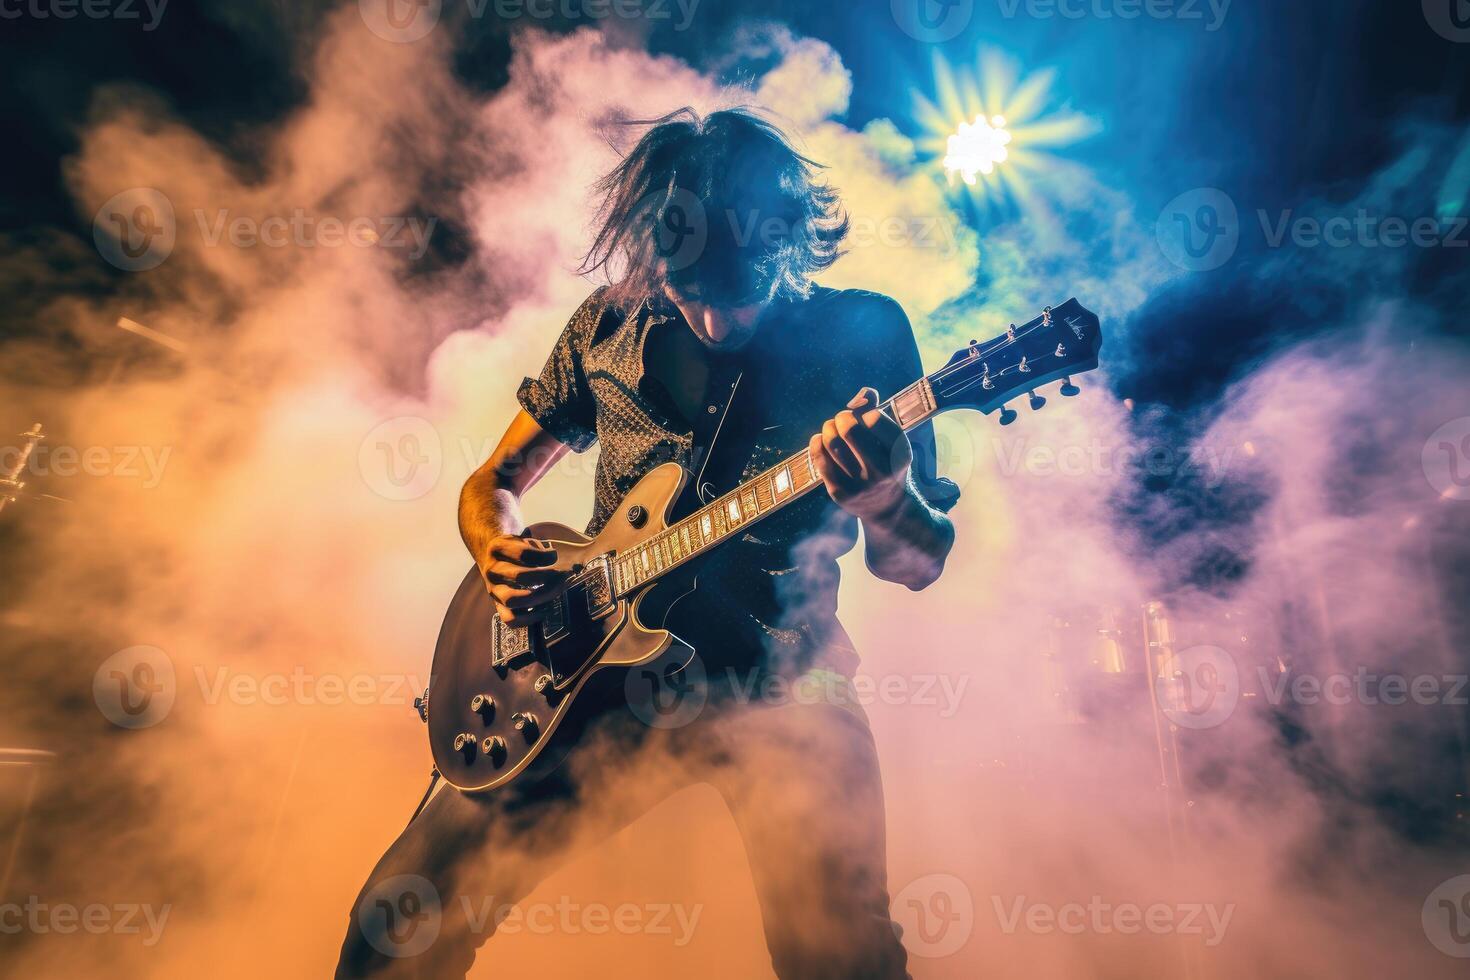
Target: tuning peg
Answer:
pixel 1046 317
pixel 1037 402
pixel 1006 416
pixel 1069 390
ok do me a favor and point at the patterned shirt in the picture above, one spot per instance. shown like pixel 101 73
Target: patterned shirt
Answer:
pixel 769 598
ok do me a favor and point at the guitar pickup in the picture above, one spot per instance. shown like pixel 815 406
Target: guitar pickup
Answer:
pixel 598 588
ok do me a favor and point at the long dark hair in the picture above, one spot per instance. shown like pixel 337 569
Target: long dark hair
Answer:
pixel 721 207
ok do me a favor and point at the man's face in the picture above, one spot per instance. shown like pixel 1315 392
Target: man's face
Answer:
pixel 720 327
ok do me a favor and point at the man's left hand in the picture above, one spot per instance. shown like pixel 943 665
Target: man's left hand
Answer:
pixel 863 458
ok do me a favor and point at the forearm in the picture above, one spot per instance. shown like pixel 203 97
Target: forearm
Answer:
pixel 490 502
pixel 909 542
pixel 487 510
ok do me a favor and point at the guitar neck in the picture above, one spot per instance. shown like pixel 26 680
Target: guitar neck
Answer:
pixel 752 501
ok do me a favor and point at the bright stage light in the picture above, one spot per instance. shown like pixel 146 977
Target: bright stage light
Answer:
pixel 1007 153
pixel 977 148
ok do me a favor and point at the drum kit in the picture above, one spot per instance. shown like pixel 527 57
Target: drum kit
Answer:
pixel 1156 680
pixel 11 483
pixel 20 768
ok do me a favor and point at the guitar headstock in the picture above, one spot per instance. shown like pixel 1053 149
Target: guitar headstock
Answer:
pixel 1062 342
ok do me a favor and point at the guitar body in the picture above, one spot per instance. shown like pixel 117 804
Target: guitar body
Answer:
pixel 504 701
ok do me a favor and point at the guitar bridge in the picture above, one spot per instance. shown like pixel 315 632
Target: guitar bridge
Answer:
pixel 555 626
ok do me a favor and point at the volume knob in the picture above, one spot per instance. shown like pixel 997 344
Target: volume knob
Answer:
pixel 465 742
pixel 494 747
pixel 524 721
pixel 482 705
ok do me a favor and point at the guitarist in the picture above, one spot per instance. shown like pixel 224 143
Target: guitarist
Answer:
pixel 648 368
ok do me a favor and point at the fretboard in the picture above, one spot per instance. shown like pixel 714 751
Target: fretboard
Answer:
pixel 729 516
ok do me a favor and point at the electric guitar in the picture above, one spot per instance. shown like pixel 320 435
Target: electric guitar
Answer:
pixel 501 697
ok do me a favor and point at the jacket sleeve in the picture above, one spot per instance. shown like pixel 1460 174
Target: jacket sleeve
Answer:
pixel 560 399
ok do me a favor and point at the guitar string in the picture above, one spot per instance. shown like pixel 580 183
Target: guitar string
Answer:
pixel 951 368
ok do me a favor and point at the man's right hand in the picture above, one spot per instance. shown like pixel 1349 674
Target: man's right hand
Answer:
pixel 519 578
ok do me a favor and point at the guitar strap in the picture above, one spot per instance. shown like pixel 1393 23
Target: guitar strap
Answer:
pixel 724 438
